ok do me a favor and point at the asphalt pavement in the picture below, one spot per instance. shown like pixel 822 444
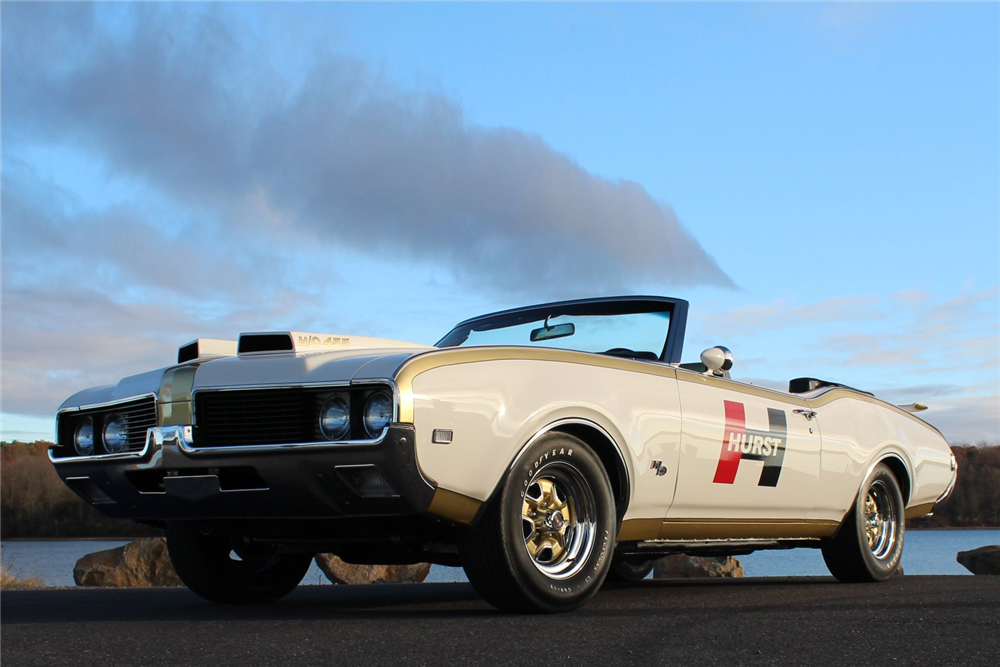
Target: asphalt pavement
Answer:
pixel 909 620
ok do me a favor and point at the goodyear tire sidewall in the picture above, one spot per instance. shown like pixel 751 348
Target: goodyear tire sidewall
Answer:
pixel 548 592
pixel 881 569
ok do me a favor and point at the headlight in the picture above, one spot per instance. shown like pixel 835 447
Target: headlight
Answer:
pixel 335 418
pixel 378 413
pixel 115 436
pixel 83 437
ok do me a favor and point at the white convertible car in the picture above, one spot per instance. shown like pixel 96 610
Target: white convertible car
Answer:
pixel 544 449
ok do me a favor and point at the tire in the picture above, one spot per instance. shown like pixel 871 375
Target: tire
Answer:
pixel 869 545
pixel 629 570
pixel 213 569
pixel 544 543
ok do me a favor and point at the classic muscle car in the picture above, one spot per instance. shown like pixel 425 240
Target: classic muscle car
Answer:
pixel 543 449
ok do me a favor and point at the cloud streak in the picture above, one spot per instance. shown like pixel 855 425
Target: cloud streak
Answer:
pixel 243 197
pixel 345 159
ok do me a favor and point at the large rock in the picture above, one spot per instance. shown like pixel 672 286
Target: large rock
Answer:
pixel 695 567
pixel 984 560
pixel 142 563
pixel 340 572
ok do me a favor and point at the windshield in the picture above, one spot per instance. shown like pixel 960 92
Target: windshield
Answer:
pixel 640 335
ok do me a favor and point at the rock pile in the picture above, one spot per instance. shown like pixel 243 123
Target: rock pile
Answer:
pixel 694 567
pixel 141 564
pixel 145 563
pixel 340 572
pixel 984 560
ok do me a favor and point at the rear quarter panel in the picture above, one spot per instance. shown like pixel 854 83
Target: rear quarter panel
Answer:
pixel 859 431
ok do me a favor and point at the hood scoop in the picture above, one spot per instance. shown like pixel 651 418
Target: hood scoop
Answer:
pixel 206 348
pixel 271 342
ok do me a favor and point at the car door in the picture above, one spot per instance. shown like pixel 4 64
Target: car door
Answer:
pixel 749 456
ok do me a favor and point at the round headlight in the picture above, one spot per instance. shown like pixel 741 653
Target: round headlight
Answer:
pixel 335 418
pixel 115 435
pixel 378 413
pixel 83 437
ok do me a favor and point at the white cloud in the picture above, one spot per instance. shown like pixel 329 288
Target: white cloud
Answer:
pixel 345 160
pixel 905 347
pixel 263 199
pixel 969 419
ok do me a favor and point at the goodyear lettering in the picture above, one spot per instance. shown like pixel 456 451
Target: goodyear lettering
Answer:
pixel 562 451
pixel 604 551
pixel 555 452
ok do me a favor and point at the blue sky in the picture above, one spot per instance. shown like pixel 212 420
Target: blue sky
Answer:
pixel 821 181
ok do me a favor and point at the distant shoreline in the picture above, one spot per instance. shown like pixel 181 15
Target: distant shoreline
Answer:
pixel 130 539
pixel 72 539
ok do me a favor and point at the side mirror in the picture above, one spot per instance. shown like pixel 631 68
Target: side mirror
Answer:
pixel 718 360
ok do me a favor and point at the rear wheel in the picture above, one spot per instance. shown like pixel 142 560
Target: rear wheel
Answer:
pixel 544 543
pixel 869 544
pixel 211 567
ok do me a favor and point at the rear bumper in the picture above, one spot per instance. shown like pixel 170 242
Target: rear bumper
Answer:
pixel 169 480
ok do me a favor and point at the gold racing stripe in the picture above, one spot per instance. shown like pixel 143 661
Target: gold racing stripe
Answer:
pixel 917 511
pixel 454 506
pixel 451 356
pixel 464 355
pixel 716 529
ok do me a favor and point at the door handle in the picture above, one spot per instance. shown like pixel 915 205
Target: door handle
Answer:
pixel 808 414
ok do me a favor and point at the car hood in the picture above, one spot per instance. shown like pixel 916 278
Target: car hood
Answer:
pixel 308 368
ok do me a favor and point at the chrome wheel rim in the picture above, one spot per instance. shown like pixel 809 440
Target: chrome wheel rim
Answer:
pixel 881 520
pixel 558 520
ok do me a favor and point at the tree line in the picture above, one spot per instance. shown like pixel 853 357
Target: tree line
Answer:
pixel 976 498
pixel 34 502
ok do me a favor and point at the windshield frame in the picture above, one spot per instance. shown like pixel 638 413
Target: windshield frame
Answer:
pixel 613 305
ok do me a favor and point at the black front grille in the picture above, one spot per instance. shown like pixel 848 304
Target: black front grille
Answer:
pixel 138 416
pixel 253 417
pixel 247 417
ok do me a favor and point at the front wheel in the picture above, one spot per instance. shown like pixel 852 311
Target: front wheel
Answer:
pixel 869 544
pixel 544 543
pixel 211 567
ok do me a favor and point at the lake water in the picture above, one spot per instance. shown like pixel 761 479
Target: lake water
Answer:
pixel 926 552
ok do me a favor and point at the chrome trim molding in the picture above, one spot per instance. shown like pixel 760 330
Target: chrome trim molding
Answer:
pixel 583 422
pixel 187 446
pixel 178 436
pixel 947 492
pixel 110 457
pixel 99 406
pixel 734 541
pixel 108 404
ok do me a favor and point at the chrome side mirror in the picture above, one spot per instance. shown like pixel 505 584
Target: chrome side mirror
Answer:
pixel 718 360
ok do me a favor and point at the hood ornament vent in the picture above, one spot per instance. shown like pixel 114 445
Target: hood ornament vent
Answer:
pixel 206 348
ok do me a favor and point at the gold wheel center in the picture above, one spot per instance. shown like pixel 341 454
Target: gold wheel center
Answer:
pixel 873 521
pixel 546 514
